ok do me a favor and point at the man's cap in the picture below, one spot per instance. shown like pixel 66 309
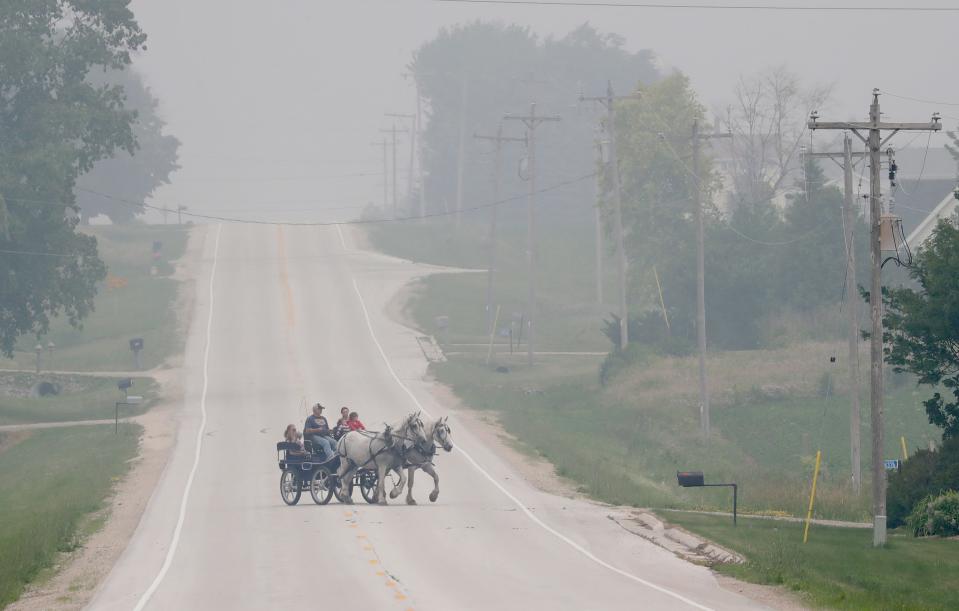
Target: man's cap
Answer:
pixel 318 405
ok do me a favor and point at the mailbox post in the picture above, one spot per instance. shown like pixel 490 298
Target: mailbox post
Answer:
pixel 696 479
pixel 136 345
pixel 124 386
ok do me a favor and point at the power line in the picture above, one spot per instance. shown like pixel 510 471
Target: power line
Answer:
pixel 924 101
pixel 728 7
pixel 39 254
pixel 227 219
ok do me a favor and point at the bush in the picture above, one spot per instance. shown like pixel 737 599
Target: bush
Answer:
pixel 618 360
pixel 936 515
pixel 926 473
pixel 650 330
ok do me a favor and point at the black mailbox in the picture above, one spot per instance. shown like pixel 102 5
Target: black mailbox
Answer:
pixel 125 384
pixel 691 479
pixel 136 344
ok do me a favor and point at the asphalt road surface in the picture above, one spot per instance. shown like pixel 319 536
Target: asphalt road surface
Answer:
pixel 289 316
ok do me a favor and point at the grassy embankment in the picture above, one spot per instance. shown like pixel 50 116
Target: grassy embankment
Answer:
pixel 142 308
pixel 54 482
pixel 838 567
pixel 624 442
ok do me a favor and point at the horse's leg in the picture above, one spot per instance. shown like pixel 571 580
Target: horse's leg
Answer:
pixel 381 471
pixel 345 476
pixel 436 482
pixel 409 489
pixel 398 488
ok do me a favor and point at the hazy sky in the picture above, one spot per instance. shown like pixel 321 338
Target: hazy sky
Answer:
pixel 277 103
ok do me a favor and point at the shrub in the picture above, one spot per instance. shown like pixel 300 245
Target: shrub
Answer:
pixel 936 515
pixel 618 360
pixel 926 473
pixel 650 330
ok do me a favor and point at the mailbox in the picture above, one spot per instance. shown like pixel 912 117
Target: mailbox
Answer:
pixel 125 384
pixel 691 479
pixel 136 344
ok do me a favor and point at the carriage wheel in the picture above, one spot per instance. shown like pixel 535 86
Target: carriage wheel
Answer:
pixel 321 486
pixel 290 487
pixel 368 486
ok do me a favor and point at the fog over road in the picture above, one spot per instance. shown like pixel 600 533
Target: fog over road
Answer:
pixel 287 321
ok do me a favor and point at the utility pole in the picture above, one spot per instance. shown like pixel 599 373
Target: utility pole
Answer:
pixel 598 223
pixel 874 143
pixel 697 138
pixel 499 139
pixel 461 152
pixel 179 214
pixel 419 166
pixel 383 144
pixel 409 169
pixel 852 301
pixel 609 101
pixel 531 121
pixel 393 131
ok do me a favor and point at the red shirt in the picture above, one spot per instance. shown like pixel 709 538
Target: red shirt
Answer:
pixel 355 425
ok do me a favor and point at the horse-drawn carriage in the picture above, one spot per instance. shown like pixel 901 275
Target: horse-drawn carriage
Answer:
pixel 306 471
pixel 364 459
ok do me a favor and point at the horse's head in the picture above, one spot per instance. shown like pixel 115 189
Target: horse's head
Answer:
pixel 442 433
pixel 416 430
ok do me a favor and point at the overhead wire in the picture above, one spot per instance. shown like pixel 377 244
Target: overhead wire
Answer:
pixel 921 100
pixel 731 7
pixel 228 219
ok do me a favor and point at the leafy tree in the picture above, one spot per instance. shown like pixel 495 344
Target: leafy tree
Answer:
pixel 922 325
pixel 131 177
pixel 500 69
pixel 55 126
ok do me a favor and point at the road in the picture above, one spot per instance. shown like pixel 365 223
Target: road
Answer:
pixel 288 316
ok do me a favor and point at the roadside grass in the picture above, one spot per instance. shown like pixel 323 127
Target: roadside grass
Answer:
pixel 838 568
pixel 568 316
pixel 143 308
pixel 49 482
pixel 81 398
pixel 625 447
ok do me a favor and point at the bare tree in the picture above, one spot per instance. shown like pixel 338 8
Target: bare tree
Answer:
pixel 768 120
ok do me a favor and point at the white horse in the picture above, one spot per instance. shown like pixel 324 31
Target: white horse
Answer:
pixel 420 456
pixel 380 451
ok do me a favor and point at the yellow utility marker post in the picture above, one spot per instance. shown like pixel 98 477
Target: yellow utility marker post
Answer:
pixel 905 452
pixel 812 496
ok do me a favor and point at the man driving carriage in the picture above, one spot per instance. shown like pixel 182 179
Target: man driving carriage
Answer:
pixel 317 430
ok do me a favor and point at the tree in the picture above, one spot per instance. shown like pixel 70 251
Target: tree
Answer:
pixel 922 325
pixel 504 68
pixel 130 177
pixel 55 126
pixel 767 121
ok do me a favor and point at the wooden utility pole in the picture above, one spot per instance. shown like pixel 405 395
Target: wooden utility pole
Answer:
pixel 384 144
pixel 409 169
pixel 461 152
pixel 609 102
pixel 393 131
pixel 852 301
pixel 697 138
pixel 874 143
pixel 598 224
pixel 499 139
pixel 419 166
pixel 531 121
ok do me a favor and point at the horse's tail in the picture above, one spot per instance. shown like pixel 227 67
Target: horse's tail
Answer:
pixel 341 446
